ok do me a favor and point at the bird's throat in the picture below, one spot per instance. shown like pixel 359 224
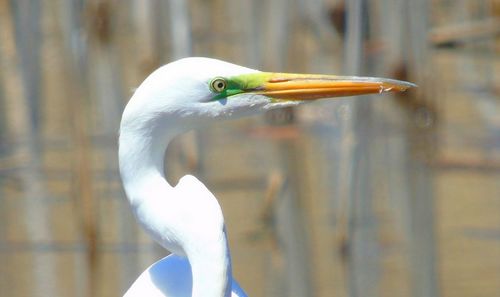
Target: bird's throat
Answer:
pixel 141 161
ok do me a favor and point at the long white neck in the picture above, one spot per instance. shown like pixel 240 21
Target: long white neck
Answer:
pixel 211 269
pixel 141 159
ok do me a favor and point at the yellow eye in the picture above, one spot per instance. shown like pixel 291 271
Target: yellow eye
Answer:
pixel 218 84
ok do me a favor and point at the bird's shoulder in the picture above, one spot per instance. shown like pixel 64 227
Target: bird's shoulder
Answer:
pixel 170 276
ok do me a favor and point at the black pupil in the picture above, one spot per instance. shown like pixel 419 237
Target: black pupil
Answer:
pixel 220 85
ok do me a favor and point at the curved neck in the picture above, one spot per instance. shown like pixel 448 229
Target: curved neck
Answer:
pixel 141 161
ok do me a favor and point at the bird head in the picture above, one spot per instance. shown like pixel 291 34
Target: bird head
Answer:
pixel 194 91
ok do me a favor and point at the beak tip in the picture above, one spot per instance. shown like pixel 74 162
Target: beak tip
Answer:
pixel 411 85
pixel 398 86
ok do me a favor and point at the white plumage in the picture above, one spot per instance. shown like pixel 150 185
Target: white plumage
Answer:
pixel 186 219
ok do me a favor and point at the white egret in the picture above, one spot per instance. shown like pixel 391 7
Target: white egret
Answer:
pixel 186 219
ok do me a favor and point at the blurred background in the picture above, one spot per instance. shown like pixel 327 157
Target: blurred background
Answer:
pixel 371 196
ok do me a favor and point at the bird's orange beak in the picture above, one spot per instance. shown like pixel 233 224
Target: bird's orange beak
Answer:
pixel 304 87
pixel 287 86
